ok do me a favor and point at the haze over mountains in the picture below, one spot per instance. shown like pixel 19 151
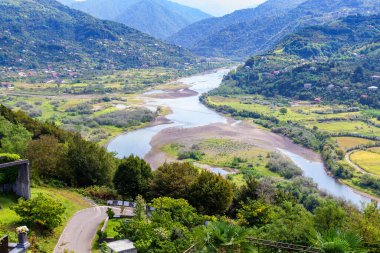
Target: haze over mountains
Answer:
pixel 159 18
pixel 40 32
pixel 249 31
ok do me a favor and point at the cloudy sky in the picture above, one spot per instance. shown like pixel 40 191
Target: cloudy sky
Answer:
pixel 220 7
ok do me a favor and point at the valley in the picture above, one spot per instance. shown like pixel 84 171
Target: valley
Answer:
pixel 150 126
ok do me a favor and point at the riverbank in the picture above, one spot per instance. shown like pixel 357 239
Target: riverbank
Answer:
pixel 242 132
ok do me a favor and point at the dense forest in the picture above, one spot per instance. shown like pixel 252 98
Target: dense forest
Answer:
pixel 42 33
pixel 338 62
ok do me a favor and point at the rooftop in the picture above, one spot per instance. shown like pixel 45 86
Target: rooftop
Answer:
pixel 121 245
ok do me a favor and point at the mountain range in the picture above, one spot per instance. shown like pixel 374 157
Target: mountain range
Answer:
pixel 250 31
pixel 158 18
pixel 36 33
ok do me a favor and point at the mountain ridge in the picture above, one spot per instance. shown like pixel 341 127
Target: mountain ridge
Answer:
pixel 158 18
pixel 41 32
pixel 243 38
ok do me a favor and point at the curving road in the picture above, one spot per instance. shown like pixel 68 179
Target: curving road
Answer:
pixel 80 230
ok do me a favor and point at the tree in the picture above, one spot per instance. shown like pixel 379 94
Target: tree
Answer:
pixel 40 211
pixel 173 180
pixel 255 213
pixel 90 164
pixel 110 213
pixel 179 209
pixel 283 110
pixel 47 158
pixel 133 177
pixel 140 210
pixel 329 215
pixel 210 193
pixel 291 223
pixel 222 237
pixel 13 137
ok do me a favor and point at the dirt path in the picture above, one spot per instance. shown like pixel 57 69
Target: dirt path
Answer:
pixel 355 166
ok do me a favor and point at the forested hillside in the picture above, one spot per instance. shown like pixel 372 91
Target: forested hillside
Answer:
pixel 159 18
pixel 36 33
pixel 338 62
pixel 244 33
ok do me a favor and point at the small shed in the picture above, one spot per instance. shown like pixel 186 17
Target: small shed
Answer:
pixel 122 246
pixel 307 86
pixel 372 88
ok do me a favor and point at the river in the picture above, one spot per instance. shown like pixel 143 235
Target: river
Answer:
pixel 188 112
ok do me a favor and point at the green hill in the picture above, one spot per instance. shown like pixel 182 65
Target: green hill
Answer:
pixel 36 33
pixel 247 32
pixel 338 62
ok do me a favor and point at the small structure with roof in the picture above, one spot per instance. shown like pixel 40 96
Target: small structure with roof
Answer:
pixel 307 86
pixel 373 88
pixel 121 246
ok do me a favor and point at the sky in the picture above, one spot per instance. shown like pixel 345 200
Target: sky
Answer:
pixel 220 7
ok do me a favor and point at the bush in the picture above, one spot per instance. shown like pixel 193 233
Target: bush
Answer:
pixel 283 166
pixel 100 192
pixel 7 158
pixel 41 212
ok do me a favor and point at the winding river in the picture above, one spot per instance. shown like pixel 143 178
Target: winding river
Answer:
pixel 188 112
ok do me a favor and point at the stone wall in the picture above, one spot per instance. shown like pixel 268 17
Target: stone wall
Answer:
pixel 22 185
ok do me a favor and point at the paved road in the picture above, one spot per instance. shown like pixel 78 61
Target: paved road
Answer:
pixel 80 230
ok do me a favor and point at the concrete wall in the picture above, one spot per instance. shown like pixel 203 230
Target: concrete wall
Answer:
pixel 22 185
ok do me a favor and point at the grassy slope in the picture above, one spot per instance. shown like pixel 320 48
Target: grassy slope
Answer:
pixel 71 200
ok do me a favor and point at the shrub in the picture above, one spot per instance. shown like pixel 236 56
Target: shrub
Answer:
pixel 7 158
pixel 40 211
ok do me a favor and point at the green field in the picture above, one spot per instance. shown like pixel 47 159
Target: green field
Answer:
pixel 368 160
pixel 351 142
pixel 10 220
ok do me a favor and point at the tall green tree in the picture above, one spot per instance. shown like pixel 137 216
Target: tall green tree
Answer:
pixel 89 163
pixel 133 177
pixel 173 180
pixel 47 158
pixel 210 193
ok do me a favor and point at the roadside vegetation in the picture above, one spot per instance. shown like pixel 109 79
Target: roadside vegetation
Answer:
pixel 286 208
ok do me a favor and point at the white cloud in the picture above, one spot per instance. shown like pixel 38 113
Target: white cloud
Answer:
pixel 220 7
